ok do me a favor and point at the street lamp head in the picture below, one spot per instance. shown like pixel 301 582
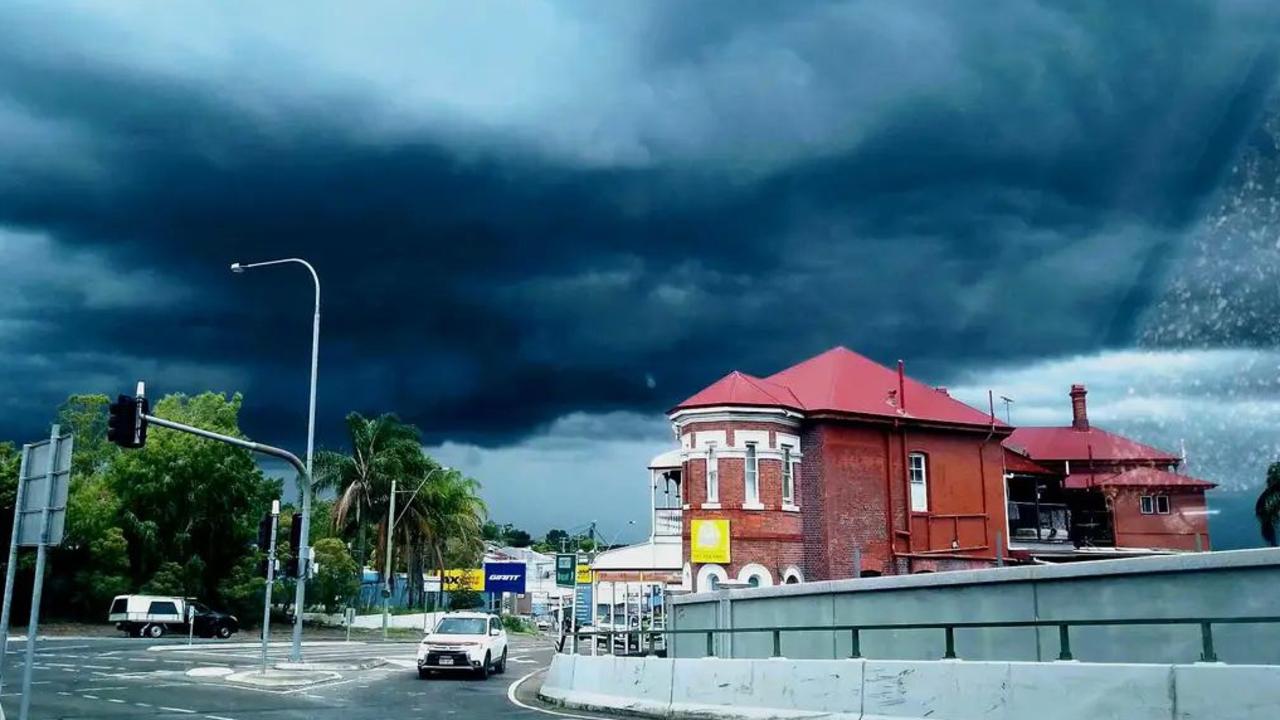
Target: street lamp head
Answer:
pixel 237 268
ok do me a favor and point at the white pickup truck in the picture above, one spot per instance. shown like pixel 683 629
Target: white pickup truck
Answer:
pixel 470 641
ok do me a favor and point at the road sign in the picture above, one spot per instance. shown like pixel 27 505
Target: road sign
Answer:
pixel 584 575
pixel 48 477
pixel 505 577
pixel 565 563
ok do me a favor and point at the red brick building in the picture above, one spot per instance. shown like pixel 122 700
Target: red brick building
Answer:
pixel 834 462
pixel 840 466
pixel 1082 491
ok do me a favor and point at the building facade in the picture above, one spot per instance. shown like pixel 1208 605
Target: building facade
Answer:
pixel 833 468
pixel 839 467
pixel 1082 491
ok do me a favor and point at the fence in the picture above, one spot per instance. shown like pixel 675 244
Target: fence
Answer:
pixel 647 642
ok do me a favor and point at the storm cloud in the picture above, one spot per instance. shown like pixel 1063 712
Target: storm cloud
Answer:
pixel 527 212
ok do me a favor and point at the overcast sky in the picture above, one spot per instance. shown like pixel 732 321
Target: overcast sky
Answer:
pixel 539 225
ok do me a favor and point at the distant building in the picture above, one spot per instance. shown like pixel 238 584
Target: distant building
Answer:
pixel 839 466
pixel 1083 491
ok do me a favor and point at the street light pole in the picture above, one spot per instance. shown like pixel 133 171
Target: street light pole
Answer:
pixel 299 602
pixel 391 528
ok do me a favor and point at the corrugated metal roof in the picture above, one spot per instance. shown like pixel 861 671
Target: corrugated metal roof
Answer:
pixel 841 381
pixel 1067 443
pixel 1134 477
pixel 1017 462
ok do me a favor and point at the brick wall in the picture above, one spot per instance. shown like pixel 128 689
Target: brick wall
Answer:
pixel 1176 531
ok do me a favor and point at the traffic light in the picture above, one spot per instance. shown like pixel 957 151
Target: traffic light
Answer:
pixel 295 542
pixel 126 424
pixel 264 542
pixel 264 533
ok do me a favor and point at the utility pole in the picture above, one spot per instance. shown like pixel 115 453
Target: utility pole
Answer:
pixel 386 573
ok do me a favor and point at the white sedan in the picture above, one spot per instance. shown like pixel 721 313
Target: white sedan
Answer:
pixel 468 641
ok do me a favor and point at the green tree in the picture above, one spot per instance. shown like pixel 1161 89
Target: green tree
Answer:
pixel 336 582
pixel 1268 506
pixel 465 599
pixel 382 448
pixel 169 579
pixel 188 501
pixel 85 416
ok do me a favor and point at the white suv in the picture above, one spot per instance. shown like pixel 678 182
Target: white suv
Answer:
pixel 464 641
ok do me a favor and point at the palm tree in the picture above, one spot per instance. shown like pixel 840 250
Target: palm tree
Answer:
pixel 382 448
pixel 1268 507
pixel 453 520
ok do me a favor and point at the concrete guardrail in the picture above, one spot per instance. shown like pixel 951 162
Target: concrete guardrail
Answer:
pixel 912 689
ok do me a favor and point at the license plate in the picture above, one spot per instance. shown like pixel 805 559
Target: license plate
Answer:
pixel 446 661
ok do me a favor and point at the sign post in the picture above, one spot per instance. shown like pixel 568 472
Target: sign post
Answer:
pixel 349 618
pixel 191 623
pixel 45 494
pixel 12 567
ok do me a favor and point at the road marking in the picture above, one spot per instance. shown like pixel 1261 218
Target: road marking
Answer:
pixel 217 717
pixel 97 667
pixel 142 660
pixel 142 704
pixel 64 693
pixel 177 710
pixel 511 697
pixel 95 697
pixel 115 700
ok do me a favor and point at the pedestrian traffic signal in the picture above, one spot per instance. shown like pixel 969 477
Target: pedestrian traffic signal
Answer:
pixel 126 421
pixel 264 533
pixel 295 549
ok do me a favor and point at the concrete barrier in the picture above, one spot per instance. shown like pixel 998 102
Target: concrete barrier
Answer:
pixel 913 689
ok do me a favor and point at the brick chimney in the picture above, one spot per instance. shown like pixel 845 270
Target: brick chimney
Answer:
pixel 1079 410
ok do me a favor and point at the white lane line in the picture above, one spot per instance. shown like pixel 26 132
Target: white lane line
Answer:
pixel 64 693
pixel 217 717
pixel 142 704
pixel 177 710
pixel 142 660
pixel 99 667
pixel 511 697
pixel 95 697
pixel 115 700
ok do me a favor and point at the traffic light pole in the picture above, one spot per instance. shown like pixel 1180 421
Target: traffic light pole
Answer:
pixel 300 552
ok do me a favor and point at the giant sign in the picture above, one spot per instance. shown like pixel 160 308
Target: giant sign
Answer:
pixel 504 577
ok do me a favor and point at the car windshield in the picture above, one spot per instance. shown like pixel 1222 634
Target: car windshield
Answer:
pixel 461 626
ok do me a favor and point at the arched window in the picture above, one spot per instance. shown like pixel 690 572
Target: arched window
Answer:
pixel 792 575
pixel 710 577
pixel 755 575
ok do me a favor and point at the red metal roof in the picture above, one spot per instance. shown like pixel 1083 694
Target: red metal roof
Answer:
pixel 1135 477
pixel 1067 443
pixel 840 381
pixel 741 389
pixel 1016 462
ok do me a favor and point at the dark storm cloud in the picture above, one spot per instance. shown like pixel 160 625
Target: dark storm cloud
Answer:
pixel 664 195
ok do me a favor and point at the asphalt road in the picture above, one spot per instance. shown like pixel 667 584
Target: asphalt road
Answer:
pixel 78 678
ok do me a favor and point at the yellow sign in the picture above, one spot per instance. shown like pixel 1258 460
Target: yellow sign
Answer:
pixel 464 579
pixel 710 541
pixel 584 574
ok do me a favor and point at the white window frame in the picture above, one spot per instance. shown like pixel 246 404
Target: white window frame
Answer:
pixel 1147 504
pixel 788 477
pixel 751 475
pixel 919 483
pixel 1168 506
pixel 713 475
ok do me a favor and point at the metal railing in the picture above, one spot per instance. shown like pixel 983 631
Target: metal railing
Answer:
pixel 667 522
pixel 648 639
